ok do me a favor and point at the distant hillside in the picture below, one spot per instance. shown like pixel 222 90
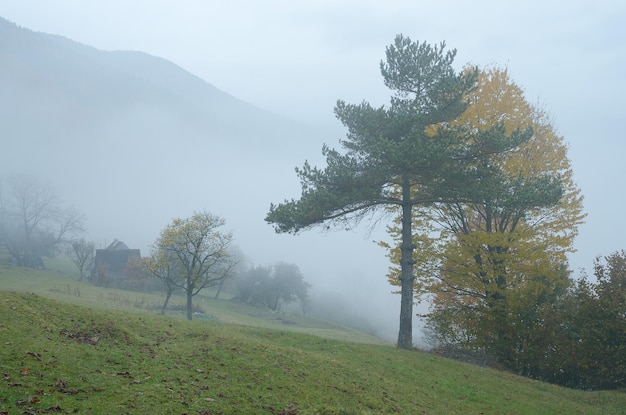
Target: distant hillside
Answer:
pixel 133 140
pixel 53 86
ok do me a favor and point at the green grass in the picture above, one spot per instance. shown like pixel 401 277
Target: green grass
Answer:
pixel 62 283
pixel 63 353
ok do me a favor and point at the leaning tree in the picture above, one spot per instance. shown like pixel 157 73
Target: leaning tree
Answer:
pixel 401 156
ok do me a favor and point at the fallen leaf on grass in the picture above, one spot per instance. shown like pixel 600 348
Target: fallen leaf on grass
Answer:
pixel 69 391
pixel 35 355
pixel 30 399
pixel 80 337
pixel 290 409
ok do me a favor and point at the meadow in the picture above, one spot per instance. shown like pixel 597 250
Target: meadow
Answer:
pixel 69 347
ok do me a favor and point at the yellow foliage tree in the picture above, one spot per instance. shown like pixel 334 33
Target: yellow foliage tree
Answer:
pixel 489 264
pixel 193 254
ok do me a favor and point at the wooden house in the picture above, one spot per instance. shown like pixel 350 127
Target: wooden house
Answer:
pixel 111 263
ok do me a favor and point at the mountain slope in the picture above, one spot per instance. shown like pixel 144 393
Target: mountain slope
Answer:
pixel 66 86
pixel 133 140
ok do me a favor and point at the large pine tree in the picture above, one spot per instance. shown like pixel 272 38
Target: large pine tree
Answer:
pixel 399 156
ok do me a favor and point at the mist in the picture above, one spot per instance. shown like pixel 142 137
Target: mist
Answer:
pixel 132 148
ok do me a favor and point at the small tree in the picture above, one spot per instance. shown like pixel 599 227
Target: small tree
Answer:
pixel 592 352
pixel 81 253
pixel 251 286
pixel 289 285
pixel 272 287
pixel 198 252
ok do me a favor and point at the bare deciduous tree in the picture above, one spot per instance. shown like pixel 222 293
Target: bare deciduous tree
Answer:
pixel 33 224
pixel 81 253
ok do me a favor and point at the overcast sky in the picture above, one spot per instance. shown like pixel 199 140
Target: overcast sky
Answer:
pixel 297 58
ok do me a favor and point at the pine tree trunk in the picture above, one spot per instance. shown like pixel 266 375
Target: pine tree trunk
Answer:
pixel 405 335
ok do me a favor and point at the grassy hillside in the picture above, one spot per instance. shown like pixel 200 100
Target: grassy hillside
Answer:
pixel 62 283
pixel 69 354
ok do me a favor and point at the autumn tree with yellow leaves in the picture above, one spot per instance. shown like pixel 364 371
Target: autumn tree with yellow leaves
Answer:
pixel 490 265
pixel 193 254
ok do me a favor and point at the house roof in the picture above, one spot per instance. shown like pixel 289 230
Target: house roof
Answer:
pixel 117 246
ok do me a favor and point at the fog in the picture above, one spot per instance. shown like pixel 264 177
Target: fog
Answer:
pixel 131 152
